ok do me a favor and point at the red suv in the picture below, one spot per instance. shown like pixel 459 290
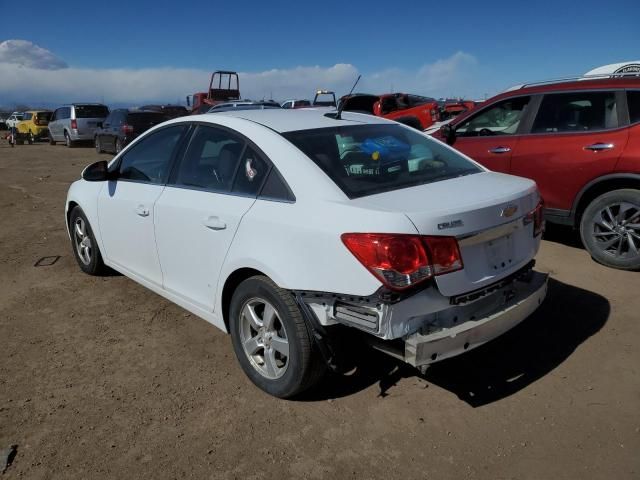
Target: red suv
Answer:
pixel 580 141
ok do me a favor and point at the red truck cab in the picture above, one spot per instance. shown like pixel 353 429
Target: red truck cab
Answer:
pixel 413 110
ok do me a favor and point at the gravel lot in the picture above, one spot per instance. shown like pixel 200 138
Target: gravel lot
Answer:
pixel 100 378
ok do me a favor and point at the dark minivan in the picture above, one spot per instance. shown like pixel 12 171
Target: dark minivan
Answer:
pixel 122 126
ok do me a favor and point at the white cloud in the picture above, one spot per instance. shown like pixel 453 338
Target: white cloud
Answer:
pixel 27 54
pixel 28 74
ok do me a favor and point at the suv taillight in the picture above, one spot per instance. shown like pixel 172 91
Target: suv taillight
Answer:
pixel 401 261
pixel 536 216
pixel 74 124
pixel 126 129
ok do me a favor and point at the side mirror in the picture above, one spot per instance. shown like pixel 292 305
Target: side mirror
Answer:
pixel 96 172
pixel 448 133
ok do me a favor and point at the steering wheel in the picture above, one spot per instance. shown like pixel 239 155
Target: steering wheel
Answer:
pixel 485 132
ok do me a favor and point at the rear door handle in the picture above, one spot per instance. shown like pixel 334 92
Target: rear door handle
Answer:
pixel 214 223
pixel 500 150
pixel 142 211
pixel 596 147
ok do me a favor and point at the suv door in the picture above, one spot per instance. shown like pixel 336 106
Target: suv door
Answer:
pixel 199 211
pixel 54 125
pixel 575 137
pixel 491 135
pixel 125 205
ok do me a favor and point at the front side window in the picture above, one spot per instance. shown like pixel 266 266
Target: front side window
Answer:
pixel 633 100
pixel 149 160
pixel 27 116
pixel 211 160
pixel 500 119
pixel 367 159
pixel 576 112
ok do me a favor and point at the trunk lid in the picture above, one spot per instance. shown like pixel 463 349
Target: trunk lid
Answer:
pixel 485 212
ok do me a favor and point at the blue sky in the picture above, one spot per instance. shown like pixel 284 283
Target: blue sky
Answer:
pixel 294 47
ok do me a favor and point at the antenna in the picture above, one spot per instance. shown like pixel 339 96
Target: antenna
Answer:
pixel 338 115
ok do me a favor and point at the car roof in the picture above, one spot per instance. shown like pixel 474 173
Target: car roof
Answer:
pixel 581 84
pixel 284 120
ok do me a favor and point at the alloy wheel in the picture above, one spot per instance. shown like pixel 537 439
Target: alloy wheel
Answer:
pixel 82 241
pixel 616 230
pixel 264 338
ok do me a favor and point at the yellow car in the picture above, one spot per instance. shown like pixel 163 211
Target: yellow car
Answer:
pixel 34 124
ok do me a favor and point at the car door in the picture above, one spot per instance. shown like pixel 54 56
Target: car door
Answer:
pixel 199 211
pixel 491 135
pixel 125 205
pixel 575 137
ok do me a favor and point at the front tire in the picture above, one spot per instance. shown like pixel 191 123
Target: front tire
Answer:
pixel 83 242
pixel 610 229
pixel 271 339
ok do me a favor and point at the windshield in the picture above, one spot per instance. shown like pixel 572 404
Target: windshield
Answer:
pixel 367 159
pixel 91 111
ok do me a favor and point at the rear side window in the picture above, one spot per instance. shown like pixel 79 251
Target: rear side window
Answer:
pixel 149 160
pixel 367 159
pixel 633 100
pixel 251 174
pixel 211 160
pixel 91 111
pixel 27 116
pixel 502 118
pixel 576 112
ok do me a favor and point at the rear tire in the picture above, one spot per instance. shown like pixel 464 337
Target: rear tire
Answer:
pixel 271 339
pixel 610 229
pixel 67 140
pixel 84 245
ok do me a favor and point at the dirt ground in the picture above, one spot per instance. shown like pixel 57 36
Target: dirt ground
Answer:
pixel 100 378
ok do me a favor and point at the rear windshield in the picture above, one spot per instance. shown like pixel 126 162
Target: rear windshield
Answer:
pixel 91 111
pixel 145 118
pixel 43 116
pixel 367 159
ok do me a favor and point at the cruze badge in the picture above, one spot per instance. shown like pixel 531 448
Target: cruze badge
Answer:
pixel 508 211
pixel 451 224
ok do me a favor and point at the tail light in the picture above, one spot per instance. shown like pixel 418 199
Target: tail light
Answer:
pixel 536 216
pixel 402 261
pixel 74 124
pixel 126 129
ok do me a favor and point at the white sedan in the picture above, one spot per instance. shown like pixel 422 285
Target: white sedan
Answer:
pixel 289 229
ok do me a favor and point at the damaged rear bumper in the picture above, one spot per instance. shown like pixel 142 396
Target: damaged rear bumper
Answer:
pixel 525 297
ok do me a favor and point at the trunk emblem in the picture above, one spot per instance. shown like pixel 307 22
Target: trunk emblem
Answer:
pixel 451 224
pixel 509 210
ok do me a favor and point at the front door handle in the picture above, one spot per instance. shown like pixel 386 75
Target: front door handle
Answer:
pixel 142 211
pixel 214 223
pixel 596 147
pixel 500 150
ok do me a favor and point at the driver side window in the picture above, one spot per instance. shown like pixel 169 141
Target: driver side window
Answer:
pixel 502 118
pixel 149 160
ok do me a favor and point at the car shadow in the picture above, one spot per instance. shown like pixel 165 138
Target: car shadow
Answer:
pixel 563 234
pixel 568 317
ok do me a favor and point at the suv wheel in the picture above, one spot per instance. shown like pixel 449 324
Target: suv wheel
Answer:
pixel 271 339
pixel 67 140
pixel 85 247
pixel 118 145
pixel 610 229
pixel 31 138
pixel 98 145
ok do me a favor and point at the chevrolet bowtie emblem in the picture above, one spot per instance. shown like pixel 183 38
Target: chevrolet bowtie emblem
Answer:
pixel 508 211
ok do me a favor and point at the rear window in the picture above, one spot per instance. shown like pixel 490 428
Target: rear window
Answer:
pixel 145 118
pixel 91 111
pixel 368 159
